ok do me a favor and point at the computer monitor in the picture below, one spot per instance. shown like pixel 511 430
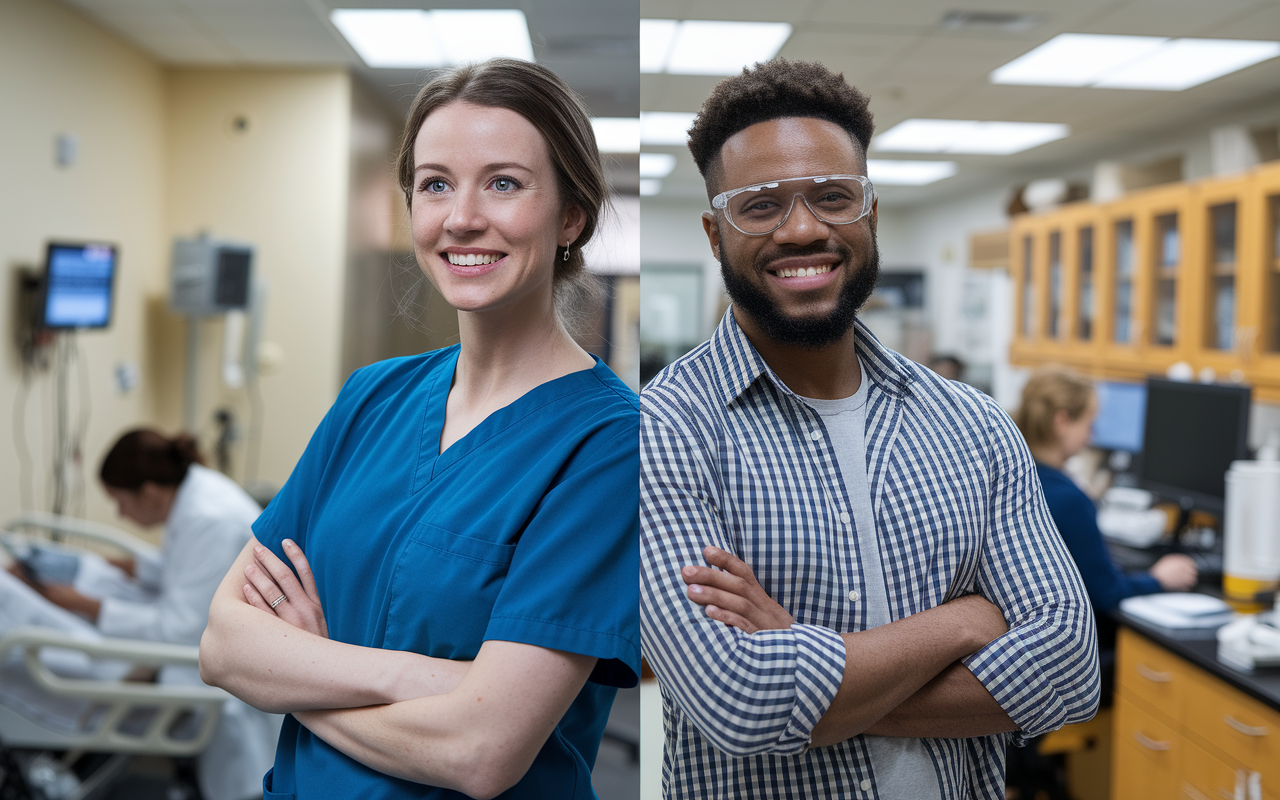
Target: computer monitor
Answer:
pixel 78 282
pixel 1193 432
pixel 1122 411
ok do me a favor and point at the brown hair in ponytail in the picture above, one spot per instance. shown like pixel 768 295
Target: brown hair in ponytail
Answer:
pixel 144 455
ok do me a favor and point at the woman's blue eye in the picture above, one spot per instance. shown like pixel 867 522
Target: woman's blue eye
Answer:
pixel 505 184
pixel 435 186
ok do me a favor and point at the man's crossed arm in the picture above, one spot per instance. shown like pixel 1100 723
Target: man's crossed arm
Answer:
pixel 900 679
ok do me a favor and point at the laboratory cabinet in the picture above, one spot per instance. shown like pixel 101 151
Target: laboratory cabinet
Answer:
pixel 1180 272
pixel 1185 731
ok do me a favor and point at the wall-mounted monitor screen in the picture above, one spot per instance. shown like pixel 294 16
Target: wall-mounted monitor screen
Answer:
pixel 78 282
pixel 1122 411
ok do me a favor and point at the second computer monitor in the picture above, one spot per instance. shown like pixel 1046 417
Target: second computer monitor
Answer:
pixel 1192 433
pixel 1122 409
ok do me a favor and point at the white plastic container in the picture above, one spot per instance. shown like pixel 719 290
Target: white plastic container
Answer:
pixel 1251 547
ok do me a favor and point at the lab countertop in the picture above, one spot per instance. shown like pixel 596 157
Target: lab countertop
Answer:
pixel 1202 650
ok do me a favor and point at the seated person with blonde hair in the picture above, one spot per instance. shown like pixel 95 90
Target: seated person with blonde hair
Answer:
pixel 1055 417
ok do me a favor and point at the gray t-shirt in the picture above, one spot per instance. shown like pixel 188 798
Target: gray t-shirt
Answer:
pixel 902 767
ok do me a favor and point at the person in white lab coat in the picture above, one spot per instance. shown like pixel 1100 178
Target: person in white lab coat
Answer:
pixel 207 517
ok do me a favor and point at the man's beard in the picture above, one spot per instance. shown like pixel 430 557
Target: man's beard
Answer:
pixel 809 332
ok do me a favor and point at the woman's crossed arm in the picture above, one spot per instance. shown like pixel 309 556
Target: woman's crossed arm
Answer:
pixel 472 726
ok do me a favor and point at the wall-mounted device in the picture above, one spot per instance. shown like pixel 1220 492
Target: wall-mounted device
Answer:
pixel 210 276
pixel 77 286
pixel 73 291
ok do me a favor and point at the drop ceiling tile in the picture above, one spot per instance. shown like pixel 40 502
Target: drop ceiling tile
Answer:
pixel 750 10
pixel 929 13
pixel 664 9
pixel 675 92
pixel 1262 23
pixel 101 9
pixel 981 100
pixel 814 44
pixel 1169 17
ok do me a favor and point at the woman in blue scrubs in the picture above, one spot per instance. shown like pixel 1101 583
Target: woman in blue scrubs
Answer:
pixel 463 524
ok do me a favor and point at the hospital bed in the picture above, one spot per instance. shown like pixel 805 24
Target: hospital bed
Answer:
pixel 119 717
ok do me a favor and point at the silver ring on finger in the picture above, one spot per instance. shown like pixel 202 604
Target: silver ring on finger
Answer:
pixel 278 601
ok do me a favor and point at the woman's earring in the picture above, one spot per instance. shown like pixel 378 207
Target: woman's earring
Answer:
pixel 566 253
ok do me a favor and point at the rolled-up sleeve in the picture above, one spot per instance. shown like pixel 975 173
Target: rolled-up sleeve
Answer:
pixel 1044 671
pixel 747 694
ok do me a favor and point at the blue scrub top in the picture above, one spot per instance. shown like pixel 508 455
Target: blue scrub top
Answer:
pixel 525 530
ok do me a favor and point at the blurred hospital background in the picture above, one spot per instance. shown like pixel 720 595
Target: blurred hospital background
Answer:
pixel 1093 184
pixel 200 230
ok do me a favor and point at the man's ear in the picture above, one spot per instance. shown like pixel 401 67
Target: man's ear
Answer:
pixel 712 227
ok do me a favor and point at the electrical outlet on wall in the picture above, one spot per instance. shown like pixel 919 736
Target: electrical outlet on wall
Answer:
pixel 127 376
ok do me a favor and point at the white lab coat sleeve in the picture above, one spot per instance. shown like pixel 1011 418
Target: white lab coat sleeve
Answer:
pixel 148 569
pixel 195 560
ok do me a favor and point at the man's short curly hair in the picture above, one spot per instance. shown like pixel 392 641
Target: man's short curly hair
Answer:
pixel 772 90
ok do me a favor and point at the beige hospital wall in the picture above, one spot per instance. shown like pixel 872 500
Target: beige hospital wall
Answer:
pixel 280 184
pixel 158 158
pixel 60 73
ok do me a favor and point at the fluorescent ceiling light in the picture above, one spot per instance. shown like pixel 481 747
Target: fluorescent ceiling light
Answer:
pixel 617 134
pixel 413 39
pixel 1183 63
pixel 656 165
pixel 883 172
pixel 967 136
pixel 708 47
pixel 656 36
pixel 1132 62
pixel 650 186
pixel 665 127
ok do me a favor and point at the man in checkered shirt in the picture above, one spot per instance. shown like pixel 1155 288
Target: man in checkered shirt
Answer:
pixel 851 586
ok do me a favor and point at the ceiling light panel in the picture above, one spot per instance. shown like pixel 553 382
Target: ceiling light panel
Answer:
pixel 967 136
pixel 708 47
pixel 414 39
pixel 1182 63
pixel 617 134
pixel 885 172
pixel 656 165
pixel 1132 62
pixel 666 127
pixel 656 36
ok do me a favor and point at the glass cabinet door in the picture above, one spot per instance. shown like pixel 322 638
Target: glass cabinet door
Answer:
pixel 1084 285
pixel 1123 289
pixel 1028 288
pixel 1221 309
pixel 1054 325
pixel 1168 252
pixel 1272 269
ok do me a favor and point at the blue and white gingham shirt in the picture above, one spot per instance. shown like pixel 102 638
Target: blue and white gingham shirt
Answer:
pixel 733 458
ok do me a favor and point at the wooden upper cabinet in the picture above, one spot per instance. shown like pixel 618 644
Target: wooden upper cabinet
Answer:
pixel 1260 297
pixel 1180 272
pixel 1053 258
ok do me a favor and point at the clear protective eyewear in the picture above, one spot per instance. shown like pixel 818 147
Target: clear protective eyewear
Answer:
pixel 762 208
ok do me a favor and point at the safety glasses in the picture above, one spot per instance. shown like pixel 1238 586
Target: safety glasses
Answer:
pixel 762 208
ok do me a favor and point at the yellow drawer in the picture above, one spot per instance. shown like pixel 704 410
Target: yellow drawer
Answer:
pixel 1244 729
pixel 1147 672
pixel 1146 756
pixel 1205 776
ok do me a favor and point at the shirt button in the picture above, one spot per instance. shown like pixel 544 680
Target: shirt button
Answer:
pixel 854 597
pixel 866 785
pixel 844 517
pixel 815 434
